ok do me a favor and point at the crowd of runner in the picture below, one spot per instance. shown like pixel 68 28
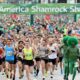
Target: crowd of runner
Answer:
pixel 33 48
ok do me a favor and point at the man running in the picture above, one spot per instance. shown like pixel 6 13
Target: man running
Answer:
pixel 10 59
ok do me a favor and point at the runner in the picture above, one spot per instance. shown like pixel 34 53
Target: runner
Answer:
pixel 60 55
pixel 44 61
pixel 37 57
pixel 10 59
pixel 52 57
pixel 20 58
pixel 1 55
pixel 3 63
pixel 28 53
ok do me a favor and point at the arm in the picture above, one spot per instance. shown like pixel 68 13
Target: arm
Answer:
pixel 61 50
pixel 3 52
pixel 23 54
pixel 33 51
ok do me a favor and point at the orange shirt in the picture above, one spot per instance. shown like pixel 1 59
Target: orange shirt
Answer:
pixel 1 51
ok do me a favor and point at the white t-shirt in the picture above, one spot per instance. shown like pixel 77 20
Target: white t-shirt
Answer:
pixel 52 55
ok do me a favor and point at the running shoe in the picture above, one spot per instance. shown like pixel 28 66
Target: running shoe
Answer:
pixel 43 78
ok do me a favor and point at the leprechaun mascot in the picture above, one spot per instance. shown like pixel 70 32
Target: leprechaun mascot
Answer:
pixel 63 51
pixel 71 54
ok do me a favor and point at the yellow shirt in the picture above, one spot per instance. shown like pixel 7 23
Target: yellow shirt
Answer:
pixel 28 54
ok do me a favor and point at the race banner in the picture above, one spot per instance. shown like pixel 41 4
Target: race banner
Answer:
pixel 39 8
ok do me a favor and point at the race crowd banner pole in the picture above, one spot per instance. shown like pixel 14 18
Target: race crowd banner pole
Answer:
pixel 39 8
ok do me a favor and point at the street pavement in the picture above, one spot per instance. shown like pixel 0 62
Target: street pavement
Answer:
pixel 56 76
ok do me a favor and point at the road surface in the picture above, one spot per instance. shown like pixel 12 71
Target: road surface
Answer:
pixel 57 76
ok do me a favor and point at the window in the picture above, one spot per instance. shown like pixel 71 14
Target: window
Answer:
pixel 62 1
pixel 71 1
pixel 78 1
pixel 52 1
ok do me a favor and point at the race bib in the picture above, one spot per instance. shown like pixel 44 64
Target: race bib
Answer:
pixel 9 53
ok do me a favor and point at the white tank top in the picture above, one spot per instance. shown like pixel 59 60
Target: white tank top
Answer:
pixel 53 55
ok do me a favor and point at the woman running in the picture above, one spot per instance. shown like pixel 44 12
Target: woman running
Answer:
pixel 52 58
pixel 20 58
pixel 43 53
pixel 37 58
pixel 28 59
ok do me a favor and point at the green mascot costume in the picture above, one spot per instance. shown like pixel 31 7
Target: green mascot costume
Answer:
pixel 72 54
pixel 65 57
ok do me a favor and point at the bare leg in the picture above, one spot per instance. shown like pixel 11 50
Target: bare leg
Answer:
pixel 27 72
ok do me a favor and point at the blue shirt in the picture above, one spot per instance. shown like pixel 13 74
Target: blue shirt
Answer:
pixel 9 53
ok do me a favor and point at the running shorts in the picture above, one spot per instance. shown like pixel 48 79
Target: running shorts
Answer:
pixel 37 59
pixel 45 59
pixel 79 58
pixel 20 59
pixel 28 62
pixel 60 59
pixel 53 61
pixel 1 60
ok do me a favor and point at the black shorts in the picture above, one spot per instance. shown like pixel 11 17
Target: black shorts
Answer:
pixel 53 61
pixel 15 59
pixel 1 60
pixel 28 62
pixel 60 59
pixel 45 59
pixel 11 62
pixel 79 58
pixel 19 59
pixel 37 59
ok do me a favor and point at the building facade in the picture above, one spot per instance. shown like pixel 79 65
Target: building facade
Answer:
pixel 39 1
